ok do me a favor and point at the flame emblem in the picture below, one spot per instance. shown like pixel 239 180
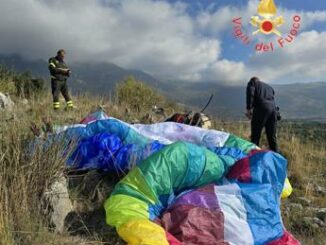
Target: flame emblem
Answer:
pixel 268 24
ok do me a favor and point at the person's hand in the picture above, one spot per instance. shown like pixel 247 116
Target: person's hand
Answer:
pixel 249 114
pixel 67 71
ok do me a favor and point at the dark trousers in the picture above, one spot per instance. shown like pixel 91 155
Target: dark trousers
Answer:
pixel 264 117
pixel 59 87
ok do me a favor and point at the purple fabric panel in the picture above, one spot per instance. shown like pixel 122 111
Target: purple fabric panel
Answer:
pixel 194 225
pixel 203 198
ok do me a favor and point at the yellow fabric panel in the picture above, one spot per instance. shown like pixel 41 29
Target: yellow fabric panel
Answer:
pixel 142 232
pixel 135 179
pixel 122 208
pixel 287 189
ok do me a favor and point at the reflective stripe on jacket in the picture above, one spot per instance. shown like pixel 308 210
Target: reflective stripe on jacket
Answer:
pixel 55 67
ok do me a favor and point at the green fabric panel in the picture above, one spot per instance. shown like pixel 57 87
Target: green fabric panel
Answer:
pixel 135 180
pixel 166 169
pixel 122 208
pixel 124 189
pixel 236 142
pixel 215 169
pixel 228 162
pixel 177 167
pixel 195 167
pixel 182 166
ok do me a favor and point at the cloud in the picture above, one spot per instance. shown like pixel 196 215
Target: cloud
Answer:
pixel 155 36
pixel 158 37
pixel 225 71
pixel 303 60
pixel 216 22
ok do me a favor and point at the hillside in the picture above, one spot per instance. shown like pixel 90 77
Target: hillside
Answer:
pixel 297 101
pixel 96 78
pixel 25 179
pixel 303 100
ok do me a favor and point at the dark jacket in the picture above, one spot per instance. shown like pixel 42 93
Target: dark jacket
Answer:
pixel 55 66
pixel 260 95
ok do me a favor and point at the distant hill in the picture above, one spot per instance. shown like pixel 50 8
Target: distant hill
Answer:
pixel 303 101
pixel 86 77
pixel 297 101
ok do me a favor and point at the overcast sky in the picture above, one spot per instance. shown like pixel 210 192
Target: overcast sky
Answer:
pixel 177 40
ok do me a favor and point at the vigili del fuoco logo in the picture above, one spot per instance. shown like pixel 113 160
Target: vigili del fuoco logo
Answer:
pixel 266 23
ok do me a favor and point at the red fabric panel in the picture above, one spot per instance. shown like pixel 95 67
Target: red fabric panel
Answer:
pixel 286 239
pixel 172 240
pixel 255 151
pixel 195 226
pixel 207 188
pixel 241 171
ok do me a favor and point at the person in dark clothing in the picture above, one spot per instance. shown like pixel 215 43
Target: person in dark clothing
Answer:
pixel 262 112
pixel 59 74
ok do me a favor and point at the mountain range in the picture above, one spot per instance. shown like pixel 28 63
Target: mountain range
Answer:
pixel 297 101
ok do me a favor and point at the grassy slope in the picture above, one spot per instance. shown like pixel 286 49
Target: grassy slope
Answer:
pixel 23 180
pixel 306 167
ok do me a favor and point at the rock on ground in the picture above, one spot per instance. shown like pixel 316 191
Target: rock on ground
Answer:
pixel 6 102
pixel 59 203
pixel 295 207
pixel 74 204
pixel 303 201
pixel 321 214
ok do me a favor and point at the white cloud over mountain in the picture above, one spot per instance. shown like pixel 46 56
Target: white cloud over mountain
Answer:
pixel 304 60
pixel 155 36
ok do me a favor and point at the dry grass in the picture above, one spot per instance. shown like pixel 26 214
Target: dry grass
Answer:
pixel 23 179
pixel 306 167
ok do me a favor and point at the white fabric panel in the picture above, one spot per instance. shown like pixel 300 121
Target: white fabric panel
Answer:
pixel 169 132
pixel 60 129
pixel 236 228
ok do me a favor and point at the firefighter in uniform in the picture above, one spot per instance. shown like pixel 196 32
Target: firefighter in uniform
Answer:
pixel 262 112
pixel 59 74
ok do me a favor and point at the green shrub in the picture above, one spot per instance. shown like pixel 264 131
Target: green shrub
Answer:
pixel 6 80
pixel 137 95
pixel 26 86
pixel 20 84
